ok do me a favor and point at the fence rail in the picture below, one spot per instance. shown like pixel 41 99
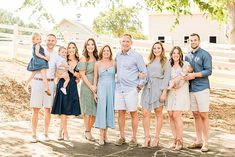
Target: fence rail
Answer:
pixel 18 45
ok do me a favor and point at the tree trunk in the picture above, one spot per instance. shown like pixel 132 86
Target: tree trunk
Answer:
pixel 231 22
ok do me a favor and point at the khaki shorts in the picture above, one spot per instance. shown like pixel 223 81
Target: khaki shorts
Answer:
pixel 200 101
pixel 126 101
pixel 38 97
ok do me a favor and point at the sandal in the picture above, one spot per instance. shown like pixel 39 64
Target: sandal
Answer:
pixel 147 142
pixel 88 138
pixel 173 144
pixel 195 146
pixel 155 142
pixel 179 144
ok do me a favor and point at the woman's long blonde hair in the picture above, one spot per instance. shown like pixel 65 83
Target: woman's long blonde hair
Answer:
pixel 163 57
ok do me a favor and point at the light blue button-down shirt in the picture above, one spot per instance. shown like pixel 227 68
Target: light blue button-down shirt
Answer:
pixel 201 61
pixel 129 65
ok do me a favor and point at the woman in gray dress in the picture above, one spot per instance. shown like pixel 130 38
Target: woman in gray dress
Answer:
pixel 154 92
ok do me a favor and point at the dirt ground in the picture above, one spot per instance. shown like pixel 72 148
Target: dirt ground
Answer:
pixel 14 104
pixel 15 129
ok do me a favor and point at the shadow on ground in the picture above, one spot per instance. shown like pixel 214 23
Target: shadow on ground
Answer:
pixel 15 141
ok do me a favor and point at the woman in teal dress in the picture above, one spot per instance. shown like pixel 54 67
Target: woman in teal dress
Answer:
pixel 87 101
pixel 104 73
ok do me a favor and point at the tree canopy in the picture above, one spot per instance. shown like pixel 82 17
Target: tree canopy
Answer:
pixel 220 10
pixel 119 20
pixel 8 18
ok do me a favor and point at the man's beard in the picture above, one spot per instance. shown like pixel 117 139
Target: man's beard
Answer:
pixel 194 47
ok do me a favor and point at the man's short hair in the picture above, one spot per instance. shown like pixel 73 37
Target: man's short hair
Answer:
pixel 127 35
pixel 53 35
pixel 195 34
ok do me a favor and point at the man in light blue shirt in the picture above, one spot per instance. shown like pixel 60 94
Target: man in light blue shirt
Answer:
pixel 129 65
pixel 201 61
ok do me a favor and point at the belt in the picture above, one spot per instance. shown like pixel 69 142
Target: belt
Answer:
pixel 40 79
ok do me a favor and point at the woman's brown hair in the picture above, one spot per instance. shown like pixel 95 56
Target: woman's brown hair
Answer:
pixel 76 50
pixel 181 59
pixel 163 57
pixel 85 52
pixel 102 50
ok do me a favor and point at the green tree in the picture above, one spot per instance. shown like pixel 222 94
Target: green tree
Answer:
pixel 8 18
pixel 221 10
pixel 119 20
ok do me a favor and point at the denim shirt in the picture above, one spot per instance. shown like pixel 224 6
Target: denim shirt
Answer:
pixel 201 61
pixel 129 65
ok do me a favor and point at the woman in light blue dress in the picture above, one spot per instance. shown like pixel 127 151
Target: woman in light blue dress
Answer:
pixel 104 73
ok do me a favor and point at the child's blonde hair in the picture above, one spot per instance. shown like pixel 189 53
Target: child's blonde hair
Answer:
pixel 61 48
pixel 35 35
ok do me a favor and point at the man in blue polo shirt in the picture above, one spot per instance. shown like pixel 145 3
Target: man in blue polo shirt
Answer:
pixel 201 61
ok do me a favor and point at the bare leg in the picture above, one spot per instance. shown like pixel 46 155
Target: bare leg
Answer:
pixel 47 119
pixel 91 122
pixel 179 129
pixel 159 121
pixel 31 77
pixel 172 123
pixel 121 122
pixel 61 131
pixel 34 120
pixel 65 131
pixel 198 126
pixel 66 81
pixel 87 124
pixel 205 126
pixel 101 140
pixel 178 124
pixel 146 125
pixel 45 81
pixel 134 122
pixel 173 128
pixel 105 135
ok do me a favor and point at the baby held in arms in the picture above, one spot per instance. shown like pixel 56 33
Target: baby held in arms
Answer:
pixel 174 83
pixel 62 70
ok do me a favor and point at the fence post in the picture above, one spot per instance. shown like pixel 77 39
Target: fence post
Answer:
pixel 15 40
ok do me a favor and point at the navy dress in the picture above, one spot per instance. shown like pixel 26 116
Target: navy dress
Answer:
pixel 37 63
pixel 67 104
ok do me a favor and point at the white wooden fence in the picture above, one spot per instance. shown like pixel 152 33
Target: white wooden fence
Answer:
pixel 18 46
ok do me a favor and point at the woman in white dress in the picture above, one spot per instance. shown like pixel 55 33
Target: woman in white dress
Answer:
pixel 178 96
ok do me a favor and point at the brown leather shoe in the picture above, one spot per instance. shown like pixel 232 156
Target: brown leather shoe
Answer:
pixel 195 146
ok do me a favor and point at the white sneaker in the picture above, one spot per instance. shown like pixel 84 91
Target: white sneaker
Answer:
pixel 63 90
pixel 34 139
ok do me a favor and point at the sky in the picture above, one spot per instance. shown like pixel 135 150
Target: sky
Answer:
pixel 69 11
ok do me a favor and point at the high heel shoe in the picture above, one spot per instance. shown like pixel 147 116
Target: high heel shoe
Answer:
pixel 179 144
pixel 61 136
pixel 106 140
pixel 155 142
pixel 147 142
pixel 66 137
pixel 88 138
pixel 173 144
pixel 101 141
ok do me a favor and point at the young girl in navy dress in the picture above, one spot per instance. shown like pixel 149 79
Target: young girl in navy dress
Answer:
pixel 39 62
